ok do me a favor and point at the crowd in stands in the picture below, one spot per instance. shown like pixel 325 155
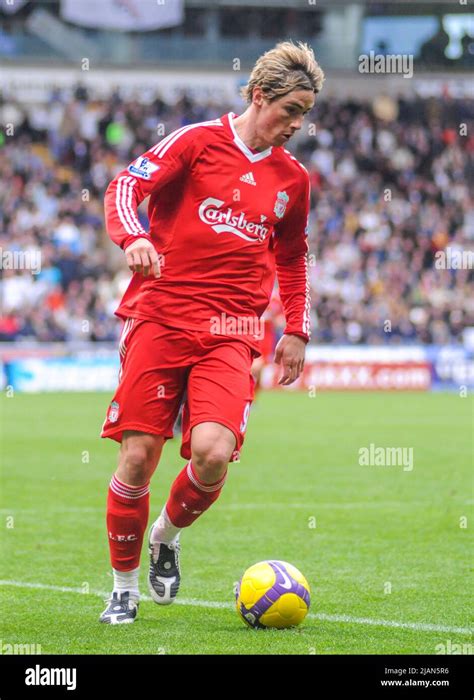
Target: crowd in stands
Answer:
pixel 390 189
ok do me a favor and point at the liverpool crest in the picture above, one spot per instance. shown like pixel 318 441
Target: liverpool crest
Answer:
pixel 113 412
pixel 280 204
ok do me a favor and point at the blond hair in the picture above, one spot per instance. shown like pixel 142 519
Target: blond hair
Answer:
pixel 284 68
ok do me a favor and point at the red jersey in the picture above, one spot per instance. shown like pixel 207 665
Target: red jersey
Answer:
pixel 224 219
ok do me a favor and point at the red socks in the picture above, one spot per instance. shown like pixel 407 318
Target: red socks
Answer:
pixel 189 497
pixel 128 510
pixel 127 518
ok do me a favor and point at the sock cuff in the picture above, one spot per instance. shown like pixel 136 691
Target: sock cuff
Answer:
pixel 127 491
pixel 208 488
pixel 131 572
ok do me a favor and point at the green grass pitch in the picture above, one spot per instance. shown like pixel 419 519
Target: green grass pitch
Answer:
pixel 386 550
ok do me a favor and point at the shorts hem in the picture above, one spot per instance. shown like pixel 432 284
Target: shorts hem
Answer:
pixel 116 433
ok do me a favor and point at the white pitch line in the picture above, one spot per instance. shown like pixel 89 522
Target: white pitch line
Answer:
pixel 241 506
pixel 315 505
pixel 417 626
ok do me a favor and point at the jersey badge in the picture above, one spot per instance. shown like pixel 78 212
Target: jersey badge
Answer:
pixel 280 204
pixel 143 167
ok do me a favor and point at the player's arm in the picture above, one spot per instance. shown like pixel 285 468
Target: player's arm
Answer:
pixel 158 166
pixel 291 248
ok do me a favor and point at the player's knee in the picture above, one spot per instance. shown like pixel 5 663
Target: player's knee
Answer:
pixel 210 461
pixel 211 447
pixel 139 458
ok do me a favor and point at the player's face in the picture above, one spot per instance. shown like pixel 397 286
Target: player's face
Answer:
pixel 280 119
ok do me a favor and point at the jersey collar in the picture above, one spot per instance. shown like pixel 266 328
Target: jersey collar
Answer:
pixel 253 157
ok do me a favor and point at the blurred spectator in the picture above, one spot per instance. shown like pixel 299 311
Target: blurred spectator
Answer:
pixel 390 188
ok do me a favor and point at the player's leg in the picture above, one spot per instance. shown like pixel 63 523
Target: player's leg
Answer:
pixel 127 514
pixel 220 391
pixel 141 417
pixel 200 483
pixel 193 491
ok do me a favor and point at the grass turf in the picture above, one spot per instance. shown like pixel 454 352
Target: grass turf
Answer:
pixel 387 543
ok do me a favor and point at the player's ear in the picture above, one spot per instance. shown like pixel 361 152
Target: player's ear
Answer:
pixel 257 96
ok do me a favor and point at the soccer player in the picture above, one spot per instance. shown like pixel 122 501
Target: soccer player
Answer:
pixel 228 210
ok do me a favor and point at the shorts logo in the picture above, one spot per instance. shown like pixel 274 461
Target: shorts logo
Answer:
pixel 143 168
pixel 280 204
pixel 113 412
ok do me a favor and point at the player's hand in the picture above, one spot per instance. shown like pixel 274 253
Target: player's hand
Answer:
pixel 142 257
pixel 290 352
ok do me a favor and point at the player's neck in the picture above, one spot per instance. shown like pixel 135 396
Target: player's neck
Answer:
pixel 245 129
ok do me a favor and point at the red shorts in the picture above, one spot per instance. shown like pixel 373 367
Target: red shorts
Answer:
pixel 160 367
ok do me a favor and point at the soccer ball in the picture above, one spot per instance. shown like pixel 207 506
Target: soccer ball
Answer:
pixel 272 594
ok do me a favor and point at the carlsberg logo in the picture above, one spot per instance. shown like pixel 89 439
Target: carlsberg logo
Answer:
pixel 225 221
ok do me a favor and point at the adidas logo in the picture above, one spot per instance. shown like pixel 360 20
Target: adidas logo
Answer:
pixel 248 178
